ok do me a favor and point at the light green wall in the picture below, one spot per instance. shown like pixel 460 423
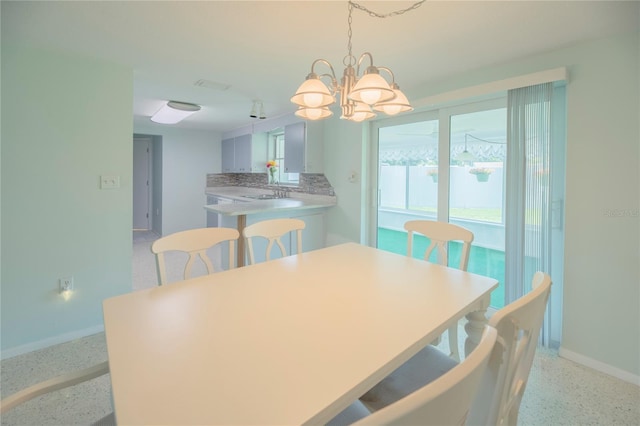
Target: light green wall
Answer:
pixel 602 274
pixel 343 150
pixel 602 278
pixel 65 121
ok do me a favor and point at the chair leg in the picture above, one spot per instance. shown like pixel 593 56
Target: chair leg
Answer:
pixel 453 342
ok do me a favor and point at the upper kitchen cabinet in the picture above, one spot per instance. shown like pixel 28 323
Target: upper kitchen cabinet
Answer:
pixel 303 147
pixel 245 153
pixel 228 155
pixel 259 152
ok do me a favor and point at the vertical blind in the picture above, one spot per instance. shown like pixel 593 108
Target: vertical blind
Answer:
pixel 528 203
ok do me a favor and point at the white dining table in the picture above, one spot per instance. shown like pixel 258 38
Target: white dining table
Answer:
pixel 286 342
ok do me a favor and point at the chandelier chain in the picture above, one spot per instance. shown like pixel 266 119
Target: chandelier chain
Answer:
pixel 350 59
pixel 386 15
pixel 349 46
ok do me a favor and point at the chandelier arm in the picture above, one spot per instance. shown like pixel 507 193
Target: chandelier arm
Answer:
pixel 335 87
pixel 327 63
pixel 393 77
pixel 361 58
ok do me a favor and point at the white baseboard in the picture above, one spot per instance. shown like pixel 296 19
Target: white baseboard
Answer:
pixel 599 366
pixel 45 343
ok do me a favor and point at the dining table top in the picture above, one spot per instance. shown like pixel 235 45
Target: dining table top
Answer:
pixel 288 341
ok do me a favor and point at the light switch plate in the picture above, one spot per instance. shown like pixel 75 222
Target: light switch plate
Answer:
pixel 109 182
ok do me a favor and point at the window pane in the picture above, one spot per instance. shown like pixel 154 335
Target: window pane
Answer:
pixel 407 182
pixel 476 196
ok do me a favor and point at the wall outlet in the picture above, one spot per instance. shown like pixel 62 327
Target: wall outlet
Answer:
pixel 66 284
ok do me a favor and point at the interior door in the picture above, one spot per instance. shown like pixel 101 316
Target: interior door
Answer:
pixel 141 183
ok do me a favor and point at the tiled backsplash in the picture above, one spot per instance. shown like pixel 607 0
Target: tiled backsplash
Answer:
pixel 311 183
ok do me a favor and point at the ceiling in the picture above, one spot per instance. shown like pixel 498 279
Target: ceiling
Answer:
pixel 263 50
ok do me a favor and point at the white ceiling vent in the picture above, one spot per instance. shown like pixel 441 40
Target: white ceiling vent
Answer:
pixel 211 85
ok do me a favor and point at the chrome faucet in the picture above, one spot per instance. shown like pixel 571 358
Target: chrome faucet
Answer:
pixel 281 192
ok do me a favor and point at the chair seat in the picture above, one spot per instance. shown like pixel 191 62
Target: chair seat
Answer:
pixel 351 414
pixel 420 370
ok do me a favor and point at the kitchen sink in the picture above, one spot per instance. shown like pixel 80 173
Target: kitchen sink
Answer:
pixel 261 197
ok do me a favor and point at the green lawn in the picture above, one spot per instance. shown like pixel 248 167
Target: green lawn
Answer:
pixel 482 261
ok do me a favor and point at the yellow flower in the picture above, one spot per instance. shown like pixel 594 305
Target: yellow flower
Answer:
pixel 271 163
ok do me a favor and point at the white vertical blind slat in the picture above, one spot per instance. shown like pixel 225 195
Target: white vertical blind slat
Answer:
pixel 528 226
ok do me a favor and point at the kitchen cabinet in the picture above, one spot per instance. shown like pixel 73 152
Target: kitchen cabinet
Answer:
pixel 228 153
pixel 244 154
pixel 303 147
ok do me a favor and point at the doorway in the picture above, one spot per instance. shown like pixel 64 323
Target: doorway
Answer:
pixel 142 183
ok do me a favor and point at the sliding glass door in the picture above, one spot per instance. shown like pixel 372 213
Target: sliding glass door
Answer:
pixel 447 166
pixel 451 165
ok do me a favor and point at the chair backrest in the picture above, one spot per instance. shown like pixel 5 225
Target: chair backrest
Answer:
pixel 57 383
pixel 518 326
pixel 195 242
pixel 446 400
pixel 440 233
pixel 273 230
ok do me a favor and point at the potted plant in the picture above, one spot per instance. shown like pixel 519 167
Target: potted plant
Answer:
pixel 434 174
pixel 482 173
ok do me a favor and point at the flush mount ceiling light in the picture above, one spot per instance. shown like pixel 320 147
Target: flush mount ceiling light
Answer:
pixel 173 112
pixel 357 94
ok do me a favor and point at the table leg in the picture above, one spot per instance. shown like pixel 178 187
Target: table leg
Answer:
pixel 475 326
pixel 242 222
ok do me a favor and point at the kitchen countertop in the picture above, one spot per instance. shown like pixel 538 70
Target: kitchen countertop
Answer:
pixel 242 205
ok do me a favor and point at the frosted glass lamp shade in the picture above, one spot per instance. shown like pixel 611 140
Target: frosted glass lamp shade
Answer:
pixel 361 112
pixel 396 105
pixel 371 89
pixel 313 93
pixel 314 113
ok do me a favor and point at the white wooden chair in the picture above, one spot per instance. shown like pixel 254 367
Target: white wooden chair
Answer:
pixel 497 403
pixel 195 242
pixel 518 325
pixel 446 400
pixel 273 230
pixel 57 383
pixel 440 234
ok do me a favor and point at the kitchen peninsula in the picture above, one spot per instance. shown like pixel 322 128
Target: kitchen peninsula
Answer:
pixel 238 206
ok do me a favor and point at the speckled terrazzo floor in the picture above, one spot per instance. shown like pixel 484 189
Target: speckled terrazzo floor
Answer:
pixel 559 392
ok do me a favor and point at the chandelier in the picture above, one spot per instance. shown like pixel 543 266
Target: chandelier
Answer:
pixel 359 96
